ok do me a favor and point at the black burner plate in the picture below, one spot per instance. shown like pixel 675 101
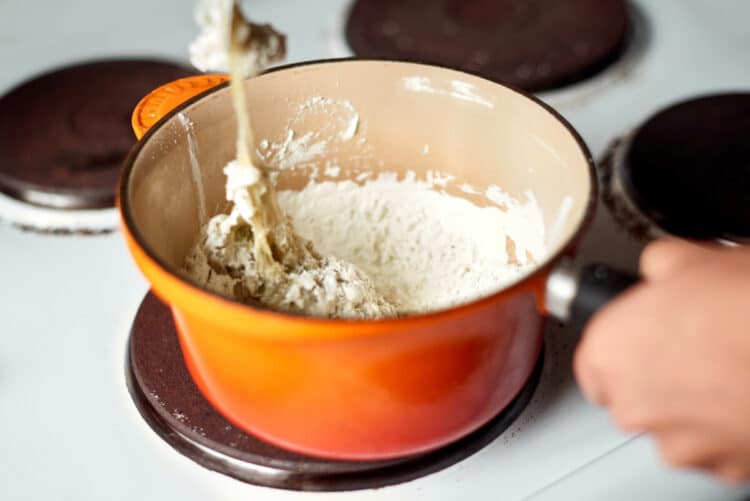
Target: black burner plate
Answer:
pixel 688 168
pixel 64 134
pixel 172 405
pixel 533 44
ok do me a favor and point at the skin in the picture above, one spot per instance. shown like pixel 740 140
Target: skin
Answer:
pixel 671 357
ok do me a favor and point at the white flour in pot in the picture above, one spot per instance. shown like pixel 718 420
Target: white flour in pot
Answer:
pixel 422 249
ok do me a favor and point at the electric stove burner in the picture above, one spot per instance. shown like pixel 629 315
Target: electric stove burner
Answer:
pixel 64 135
pixel 175 409
pixel 685 172
pixel 533 44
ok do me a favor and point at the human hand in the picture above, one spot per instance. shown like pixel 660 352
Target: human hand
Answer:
pixel 671 356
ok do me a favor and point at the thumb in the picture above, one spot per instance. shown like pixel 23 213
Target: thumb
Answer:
pixel 669 256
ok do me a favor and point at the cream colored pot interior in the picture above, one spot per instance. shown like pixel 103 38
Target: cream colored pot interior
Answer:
pixel 410 118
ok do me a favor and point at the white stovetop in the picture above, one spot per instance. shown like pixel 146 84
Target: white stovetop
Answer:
pixel 68 429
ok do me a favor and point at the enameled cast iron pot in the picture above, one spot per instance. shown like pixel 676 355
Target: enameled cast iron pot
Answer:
pixel 360 390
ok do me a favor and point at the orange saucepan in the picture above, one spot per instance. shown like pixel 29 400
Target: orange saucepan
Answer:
pixel 355 390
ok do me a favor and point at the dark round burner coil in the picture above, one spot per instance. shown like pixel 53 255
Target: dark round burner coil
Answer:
pixel 688 168
pixel 172 405
pixel 64 135
pixel 533 44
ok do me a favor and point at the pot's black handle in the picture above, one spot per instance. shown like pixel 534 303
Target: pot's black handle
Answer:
pixel 598 284
pixel 575 294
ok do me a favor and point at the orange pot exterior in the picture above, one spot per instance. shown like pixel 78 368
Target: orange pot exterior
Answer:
pixel 348 390
pixel 404 391
pixel 164 99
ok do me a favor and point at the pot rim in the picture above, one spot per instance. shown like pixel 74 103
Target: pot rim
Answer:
pixel 537 274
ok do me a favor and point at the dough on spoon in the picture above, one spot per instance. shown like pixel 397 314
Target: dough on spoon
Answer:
pixel 253 253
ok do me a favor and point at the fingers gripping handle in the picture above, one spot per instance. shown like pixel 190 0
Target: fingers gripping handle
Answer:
pixel 574 294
